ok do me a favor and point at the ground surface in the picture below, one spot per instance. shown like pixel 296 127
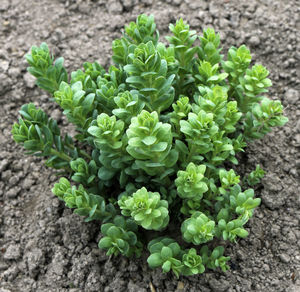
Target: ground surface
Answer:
pixel 44 247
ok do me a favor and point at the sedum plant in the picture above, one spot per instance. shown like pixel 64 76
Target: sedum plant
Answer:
pixel 158 134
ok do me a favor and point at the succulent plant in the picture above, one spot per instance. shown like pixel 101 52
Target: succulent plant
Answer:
pixel 157 135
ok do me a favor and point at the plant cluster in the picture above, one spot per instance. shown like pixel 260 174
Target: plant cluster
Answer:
pixel 157 137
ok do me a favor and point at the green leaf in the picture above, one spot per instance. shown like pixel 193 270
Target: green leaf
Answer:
pixel 182 147
pixel 166 253
pixel 154 260
pixel 149 140
pixel 241 232
pixel 105 243
pixel 166 266
pixel 105 174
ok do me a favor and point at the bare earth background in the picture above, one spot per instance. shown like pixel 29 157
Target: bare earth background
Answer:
pixel 44 247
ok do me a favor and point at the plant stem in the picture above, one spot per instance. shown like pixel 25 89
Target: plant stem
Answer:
pixel 191 153
pixel 83 153
pixel 61 155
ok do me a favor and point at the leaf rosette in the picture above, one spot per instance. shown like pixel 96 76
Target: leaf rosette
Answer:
pixel 198 229
pixel 191 182
pixel 146 208
pixel 150 143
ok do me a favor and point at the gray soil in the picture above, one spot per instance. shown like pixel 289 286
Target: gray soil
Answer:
pixel 46 248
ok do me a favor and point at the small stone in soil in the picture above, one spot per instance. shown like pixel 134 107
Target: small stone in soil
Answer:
pixel 218 285
pixel 254 41
pixel 13 252
pixel 13 192
pixel 284 258
pixel 28 183
pixel 292 96
pixel 29 80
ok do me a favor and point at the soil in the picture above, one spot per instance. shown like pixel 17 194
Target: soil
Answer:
pixel 46 248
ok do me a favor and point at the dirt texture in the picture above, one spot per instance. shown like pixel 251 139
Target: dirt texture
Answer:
pixel 46 248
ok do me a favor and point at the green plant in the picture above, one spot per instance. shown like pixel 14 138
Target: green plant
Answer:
pixel 255 176
pixel 157 135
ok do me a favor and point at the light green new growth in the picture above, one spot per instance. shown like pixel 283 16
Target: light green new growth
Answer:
pixel 146 209
pixel 190 183
pixel 198 229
